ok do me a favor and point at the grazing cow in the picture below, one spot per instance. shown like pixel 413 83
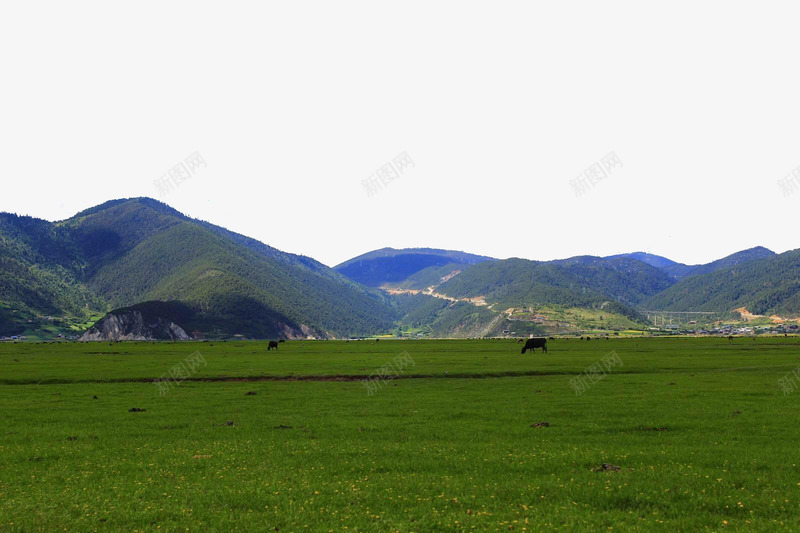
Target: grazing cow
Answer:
pixel 532 344
pixel 271 345
pixel 519 341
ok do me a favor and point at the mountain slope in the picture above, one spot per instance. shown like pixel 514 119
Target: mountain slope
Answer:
pixel 680 271
pixel 739 258
pixel 661 263
pixel 226 275
pixel 577 282
pixel 126 252
pixel 389 266
pixel 41 270
pixel 157 268
pixel 428 277
pixel 764 286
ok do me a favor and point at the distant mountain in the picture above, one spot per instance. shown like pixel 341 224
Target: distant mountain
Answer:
pixel 155 273
pixel 763 286
pixel 739 258
pixel 657 261
pixel 680 271
pixel 126 252
pixel 578 281
pixel 480 299
pixel 389 266
pixel 431 276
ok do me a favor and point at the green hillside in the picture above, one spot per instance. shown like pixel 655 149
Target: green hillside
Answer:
pixel 125 252
pixel 609 286
pixel 59 277
pixel 437 317
pixel 427 277
pixel 576 282
pixel 41 276
pixel 765 286
pixel 680 271
pixel 739 258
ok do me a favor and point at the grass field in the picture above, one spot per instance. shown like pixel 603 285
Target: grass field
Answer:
pixel 703 434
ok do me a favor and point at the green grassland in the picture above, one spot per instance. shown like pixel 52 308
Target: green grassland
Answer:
pixel 704 437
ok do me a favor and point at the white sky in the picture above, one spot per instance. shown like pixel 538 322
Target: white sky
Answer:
pixel 499 104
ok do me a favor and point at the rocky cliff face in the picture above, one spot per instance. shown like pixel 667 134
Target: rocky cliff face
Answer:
pixel 133 326
pixel 301 332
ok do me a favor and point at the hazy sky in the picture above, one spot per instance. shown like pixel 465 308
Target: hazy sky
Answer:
pixel 501 107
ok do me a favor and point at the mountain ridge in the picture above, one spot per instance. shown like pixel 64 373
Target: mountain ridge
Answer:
pixel 134 250
pixel 390 265
pixel 139 255
pixel 680 271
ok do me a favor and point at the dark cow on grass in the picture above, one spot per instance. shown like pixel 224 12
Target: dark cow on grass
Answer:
pixel 532 344
pixel 271 345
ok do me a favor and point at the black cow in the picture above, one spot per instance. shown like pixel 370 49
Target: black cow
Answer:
pixel 271 345
pixel 532 344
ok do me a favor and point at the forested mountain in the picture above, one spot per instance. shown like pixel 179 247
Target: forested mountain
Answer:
pixel 680 271
pixel 41 274
pixel 579 282
pixel 739 258
pixel 764 286
pixel 661 263
pixel 125 252
pixel 428 277
pixel 757 279
pixel 388 266
pixel 155 266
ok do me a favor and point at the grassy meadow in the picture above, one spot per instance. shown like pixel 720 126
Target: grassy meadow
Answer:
pixel 293 440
